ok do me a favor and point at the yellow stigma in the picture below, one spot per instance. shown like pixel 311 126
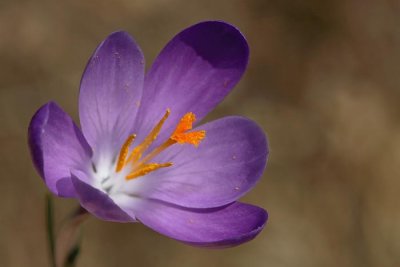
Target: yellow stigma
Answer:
pixel 141 166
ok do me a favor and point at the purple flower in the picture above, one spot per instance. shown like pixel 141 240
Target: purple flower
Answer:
pixel 137 158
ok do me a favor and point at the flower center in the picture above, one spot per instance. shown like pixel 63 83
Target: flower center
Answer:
pixel 139 165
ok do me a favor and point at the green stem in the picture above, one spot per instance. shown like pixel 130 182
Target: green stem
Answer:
pixel 50 229
pixel 68 238
pixel 65 247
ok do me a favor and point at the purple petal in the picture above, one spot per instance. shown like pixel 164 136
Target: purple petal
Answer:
pixel 97 202
pixel 194 72
pixel 226 226
pixel 110 92
pixel 226 165
pixel 57 146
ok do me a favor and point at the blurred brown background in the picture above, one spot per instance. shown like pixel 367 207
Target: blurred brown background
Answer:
pixel 323 82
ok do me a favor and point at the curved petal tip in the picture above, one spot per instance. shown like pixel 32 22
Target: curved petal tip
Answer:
pixel 222 227
pixel 227 43
pixel 57 145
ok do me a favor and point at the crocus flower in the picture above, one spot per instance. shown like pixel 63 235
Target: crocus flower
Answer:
pixel 139 157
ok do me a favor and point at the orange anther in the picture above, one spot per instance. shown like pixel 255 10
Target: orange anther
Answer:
pixel 124 152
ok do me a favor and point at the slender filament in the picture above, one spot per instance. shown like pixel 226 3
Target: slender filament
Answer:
pixel 140 149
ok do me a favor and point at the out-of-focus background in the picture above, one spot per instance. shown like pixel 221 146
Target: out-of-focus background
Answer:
pixel 323 81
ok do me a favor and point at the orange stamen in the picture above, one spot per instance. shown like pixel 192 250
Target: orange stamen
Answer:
pixel 124 152
pixel 140 149
pixel 147 168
